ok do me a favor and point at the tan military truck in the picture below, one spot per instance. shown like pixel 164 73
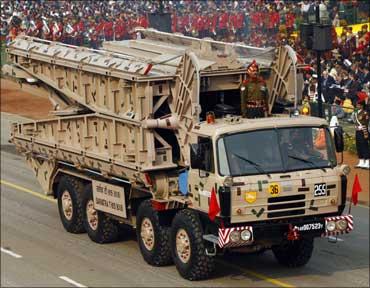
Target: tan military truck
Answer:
pixel 147 133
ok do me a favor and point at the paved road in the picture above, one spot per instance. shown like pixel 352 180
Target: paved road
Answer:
pixel 36 251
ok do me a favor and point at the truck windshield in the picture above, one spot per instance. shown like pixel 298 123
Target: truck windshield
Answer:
pixel 275 150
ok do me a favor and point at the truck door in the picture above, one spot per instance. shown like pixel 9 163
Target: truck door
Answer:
pixel 202 177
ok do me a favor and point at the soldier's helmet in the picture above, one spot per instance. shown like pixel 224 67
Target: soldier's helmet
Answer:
pixel 252 69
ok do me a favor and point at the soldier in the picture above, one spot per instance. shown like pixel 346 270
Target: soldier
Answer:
pixel 361 120
pixel 142 21
pixel 206 24
pixel 196 25
pixel 108 29
pixel 212 24
pixel 174 20
pixel 68 30
pixel 99 31
pixel 239 25
pixel 57 29
pixel 46 29
pixel 92 34
pixel 120 28
pixel 185 24
pixel 253 94
pixel 81 30
pixel 15 28
pixel 223 24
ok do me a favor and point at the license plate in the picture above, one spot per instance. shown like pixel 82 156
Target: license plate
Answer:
pixel 315 226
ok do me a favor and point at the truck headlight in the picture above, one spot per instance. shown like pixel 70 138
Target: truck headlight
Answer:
pixel 246 235
pixel 234 236
pixel 330 226
pixel 342 224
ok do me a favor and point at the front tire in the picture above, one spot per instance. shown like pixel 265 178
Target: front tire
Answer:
pixel 188 249
pixel 153 238
pixel 294 253
pixel 70 195
pixel 99 227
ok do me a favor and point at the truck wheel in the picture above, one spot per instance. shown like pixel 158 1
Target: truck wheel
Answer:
pixel 100 228
pixel 294 253
pixel 188 249
pixel 70 193
pixel 153 238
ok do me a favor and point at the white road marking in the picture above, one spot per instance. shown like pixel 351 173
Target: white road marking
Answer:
pixel 333 238
pixel 15 255
pixel 69 280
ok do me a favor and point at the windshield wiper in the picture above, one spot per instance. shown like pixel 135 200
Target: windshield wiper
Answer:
pixel 306 161
pixel 255 165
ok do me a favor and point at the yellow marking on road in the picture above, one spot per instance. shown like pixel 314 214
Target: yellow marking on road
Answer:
pixel 252 273
pixel 23 189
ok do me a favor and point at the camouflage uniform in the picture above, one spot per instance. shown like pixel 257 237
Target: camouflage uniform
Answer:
pixel 253 94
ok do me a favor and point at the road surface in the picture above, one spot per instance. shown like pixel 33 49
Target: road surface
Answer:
pixel 36 251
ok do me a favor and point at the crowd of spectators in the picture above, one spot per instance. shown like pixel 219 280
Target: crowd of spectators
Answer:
pixel 260 23
pixel 345 72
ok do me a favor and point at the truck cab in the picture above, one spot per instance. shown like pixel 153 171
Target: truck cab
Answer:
pixel 268 174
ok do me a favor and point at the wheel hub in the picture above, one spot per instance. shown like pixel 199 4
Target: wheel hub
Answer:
pixel 183 245
pixel 92 215
pixel 147 233
pixel 67 205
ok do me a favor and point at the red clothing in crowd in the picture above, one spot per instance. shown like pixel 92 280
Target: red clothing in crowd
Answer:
pixel 184 22
pixel 142 22
pixel 232 22
pixel 120 29
pixel 213 24
pixel 108 30
pixel 99 29
pixel 174 22
pixel 256 19
pixel 56 31
pixel 79 28
pixel 13 33
pixel 239 20
pixel 197 23
pixel 223 21
pixel 290 18
pixel 274 19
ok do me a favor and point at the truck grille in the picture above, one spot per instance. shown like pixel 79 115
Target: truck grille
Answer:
pixel 289 202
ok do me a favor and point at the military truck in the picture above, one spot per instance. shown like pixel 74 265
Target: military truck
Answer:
pixel 148 133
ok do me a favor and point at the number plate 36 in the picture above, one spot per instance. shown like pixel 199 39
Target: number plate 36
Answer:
pixel 274 189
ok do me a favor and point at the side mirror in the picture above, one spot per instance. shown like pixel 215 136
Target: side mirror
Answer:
pixel 338 139
pixel 196 159
pixel 201 155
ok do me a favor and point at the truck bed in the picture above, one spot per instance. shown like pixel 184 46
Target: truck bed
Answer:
pixel 94 141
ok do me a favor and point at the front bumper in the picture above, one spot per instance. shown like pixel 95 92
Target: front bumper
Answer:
pixel 276 232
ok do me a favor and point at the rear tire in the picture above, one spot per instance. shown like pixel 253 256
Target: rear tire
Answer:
pixel 100 228
pixel 70 194
pixel 153 238
pixel 294 253
pixel 188 249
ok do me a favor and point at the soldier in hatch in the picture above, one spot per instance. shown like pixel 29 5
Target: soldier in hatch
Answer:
pixel 253 94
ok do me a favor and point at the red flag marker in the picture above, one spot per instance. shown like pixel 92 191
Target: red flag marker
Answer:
pixel 214 208
pixel 356 188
